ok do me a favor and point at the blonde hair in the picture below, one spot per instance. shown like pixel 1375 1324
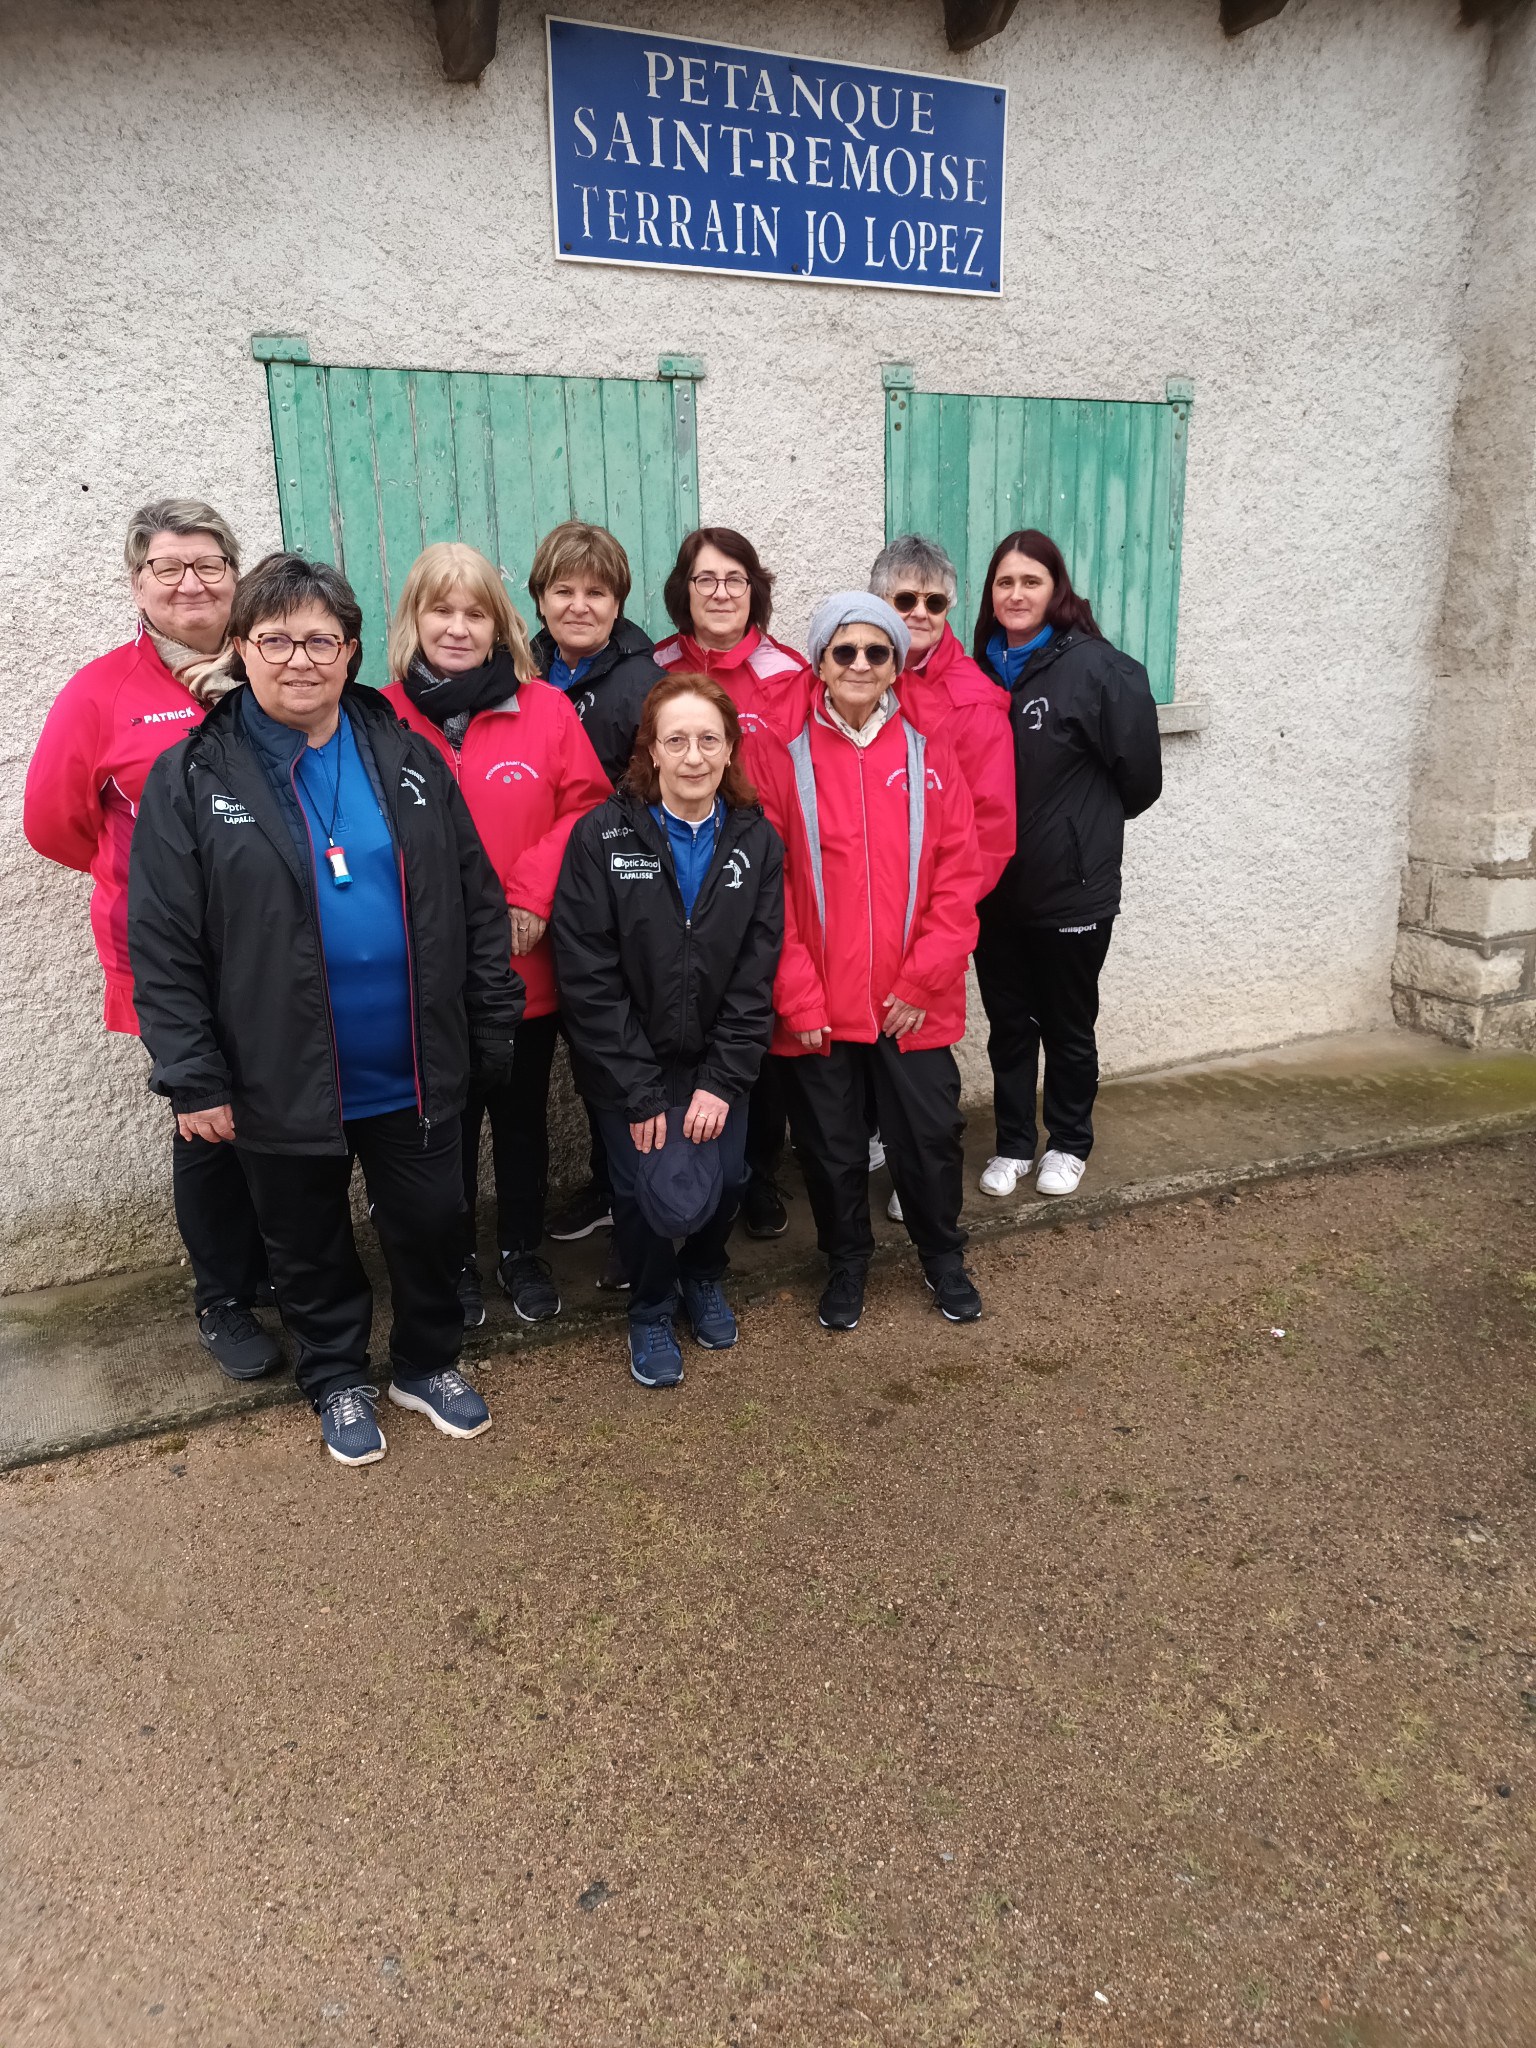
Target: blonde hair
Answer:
pixel 445 566
pixel 579 549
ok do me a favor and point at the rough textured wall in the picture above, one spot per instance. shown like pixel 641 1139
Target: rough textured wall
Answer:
pixel 1282 217
pixel 1466 956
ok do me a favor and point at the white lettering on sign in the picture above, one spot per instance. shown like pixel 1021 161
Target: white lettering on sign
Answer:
pixel 700 145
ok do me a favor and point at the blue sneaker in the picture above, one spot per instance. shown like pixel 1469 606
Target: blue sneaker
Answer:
pixel 709 1315
pixel 350 1427
pixel 654 1359
pixel 447 1400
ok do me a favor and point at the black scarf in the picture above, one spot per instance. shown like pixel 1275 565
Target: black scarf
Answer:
pixel 453 697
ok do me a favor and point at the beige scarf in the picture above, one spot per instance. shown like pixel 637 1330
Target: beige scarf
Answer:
pixel 863 735
pixel 204 676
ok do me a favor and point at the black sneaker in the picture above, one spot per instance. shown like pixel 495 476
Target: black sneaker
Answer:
pixel 585 1212
pixel 762 1208
pixel 954 1293
pixel 471 1294
pixel 241 1348
pixel 613 1275
pixel 526 1282
pixel 842 1301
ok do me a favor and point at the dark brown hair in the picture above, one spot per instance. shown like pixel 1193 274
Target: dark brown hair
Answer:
pixel 642 778
pixel 1066 610
pixel 280 585
pixel 677 596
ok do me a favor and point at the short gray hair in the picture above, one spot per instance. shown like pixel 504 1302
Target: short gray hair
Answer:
pixel 911 555
pixel 179 516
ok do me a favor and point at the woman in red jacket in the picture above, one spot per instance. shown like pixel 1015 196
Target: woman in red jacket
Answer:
pixel 108 725
pixel 881 879
pixel 942 690
pixel 528 772
pixel 720 598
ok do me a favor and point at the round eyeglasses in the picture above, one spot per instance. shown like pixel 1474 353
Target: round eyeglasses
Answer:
pixel 734 585
pixel 934 602
pixel 709 744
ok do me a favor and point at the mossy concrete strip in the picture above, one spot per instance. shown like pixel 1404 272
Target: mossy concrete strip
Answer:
pixel 103 1361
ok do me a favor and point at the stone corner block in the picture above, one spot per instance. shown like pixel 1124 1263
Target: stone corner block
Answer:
pixel 1441 967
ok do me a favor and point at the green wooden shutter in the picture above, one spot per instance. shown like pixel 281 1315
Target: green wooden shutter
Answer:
pixel 374 464
pixel 1103 477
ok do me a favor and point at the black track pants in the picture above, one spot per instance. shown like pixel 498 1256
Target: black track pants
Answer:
pixel 917 1102
pixel 1040 988
pixel 519 1114
pixel 217 1221
pixel 322 1291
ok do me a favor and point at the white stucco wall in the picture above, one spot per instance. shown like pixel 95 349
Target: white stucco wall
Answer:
pixel 1283 218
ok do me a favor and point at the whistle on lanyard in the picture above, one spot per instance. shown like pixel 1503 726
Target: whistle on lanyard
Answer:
pixel 336 861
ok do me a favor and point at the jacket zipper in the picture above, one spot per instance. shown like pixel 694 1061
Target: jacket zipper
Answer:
pixel 410 975
pixel 325 973
pixel 869 896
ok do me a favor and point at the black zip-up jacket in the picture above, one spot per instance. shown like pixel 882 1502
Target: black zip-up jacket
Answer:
pixel 608 698
pixel 224 929
pixel 657 1003
pixel 1087 756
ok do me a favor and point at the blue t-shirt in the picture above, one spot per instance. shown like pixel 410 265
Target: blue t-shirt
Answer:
pixel 565 678
pixel 1009 661
pixel 362 929
pixel 693 848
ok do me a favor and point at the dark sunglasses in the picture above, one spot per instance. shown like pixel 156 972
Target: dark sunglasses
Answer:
pixel 933 602
pixel 846 653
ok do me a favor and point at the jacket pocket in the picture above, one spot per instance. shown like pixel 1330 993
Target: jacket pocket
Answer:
pixel 1077 854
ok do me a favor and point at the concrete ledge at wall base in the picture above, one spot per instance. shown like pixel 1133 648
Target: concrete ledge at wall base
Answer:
pixel 1467 970
pixel 1182 717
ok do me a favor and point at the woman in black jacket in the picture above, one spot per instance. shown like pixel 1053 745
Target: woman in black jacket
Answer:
pixel 580 582
pixel 667 924
pixel 321 953
pixel 1087 757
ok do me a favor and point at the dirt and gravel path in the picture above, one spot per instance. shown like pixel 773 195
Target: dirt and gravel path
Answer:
pixel 1117 1671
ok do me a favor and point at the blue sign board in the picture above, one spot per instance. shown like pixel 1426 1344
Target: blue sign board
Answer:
pixel 690 155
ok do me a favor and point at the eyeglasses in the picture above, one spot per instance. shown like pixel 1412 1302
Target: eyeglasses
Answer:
pixel 934 602
pixel 845 654
pixel 734 585
pixel 278 648
pixel 709 744
pixel 171 569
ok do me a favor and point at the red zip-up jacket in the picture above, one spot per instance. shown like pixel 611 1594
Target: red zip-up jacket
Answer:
pixel 528 772
pixel 951 695
pixel 769 684
pixel 108 726
pixel 873 922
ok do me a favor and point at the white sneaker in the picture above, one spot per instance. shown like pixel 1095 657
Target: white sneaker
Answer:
pixel 876 1153
pixel 1060 1173
pixel 893 1208
pixel 1001 1176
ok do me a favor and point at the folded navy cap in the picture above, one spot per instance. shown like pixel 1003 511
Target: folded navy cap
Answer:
pixel 679 1187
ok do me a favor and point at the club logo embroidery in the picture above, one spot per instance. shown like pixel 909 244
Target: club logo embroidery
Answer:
pixel 511 771
pixel 414 785
pixel 1033 713
pixel 735 869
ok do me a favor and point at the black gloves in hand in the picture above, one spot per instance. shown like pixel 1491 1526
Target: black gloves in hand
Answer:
pixel 491 1062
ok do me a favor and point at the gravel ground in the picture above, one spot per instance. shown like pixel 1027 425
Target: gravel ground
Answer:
pixel 1153 1662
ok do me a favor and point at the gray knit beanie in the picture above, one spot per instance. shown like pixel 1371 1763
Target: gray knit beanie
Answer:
pixel 854 608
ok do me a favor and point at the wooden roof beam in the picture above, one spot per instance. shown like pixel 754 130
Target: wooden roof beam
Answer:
pixel 466 36
pixel 1236 15
pixel 969 23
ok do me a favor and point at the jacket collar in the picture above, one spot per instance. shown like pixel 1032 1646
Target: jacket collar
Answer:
pixel 714 660
pixel 626 639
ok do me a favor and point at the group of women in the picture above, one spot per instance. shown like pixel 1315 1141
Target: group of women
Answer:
pixel 744 884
